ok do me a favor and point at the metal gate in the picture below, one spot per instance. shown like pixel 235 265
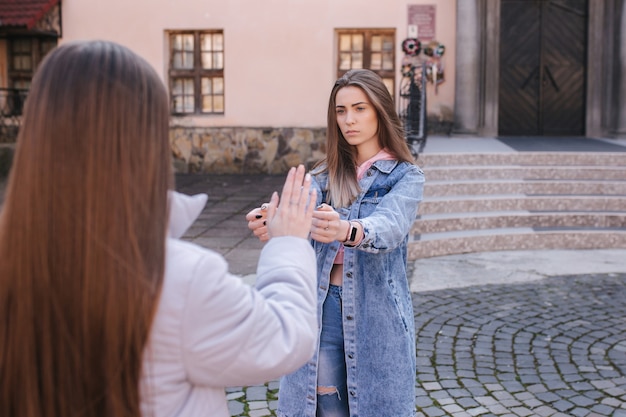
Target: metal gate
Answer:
pixel 543 47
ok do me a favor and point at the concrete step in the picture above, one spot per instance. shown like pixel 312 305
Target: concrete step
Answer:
pixel 532 187
pixel 511 202
pixel 519 172
pixel 517 239
pixel 517 201
pixel 448 222
pixel 523 158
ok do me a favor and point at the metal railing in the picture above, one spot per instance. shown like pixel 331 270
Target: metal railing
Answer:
pixel 11 107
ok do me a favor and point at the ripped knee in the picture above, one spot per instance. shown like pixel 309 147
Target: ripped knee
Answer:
pixel 327 390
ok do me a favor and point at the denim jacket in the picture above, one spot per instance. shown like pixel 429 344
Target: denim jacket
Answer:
pixel 378 321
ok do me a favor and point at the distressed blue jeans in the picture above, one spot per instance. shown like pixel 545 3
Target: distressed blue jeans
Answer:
pixel 332 391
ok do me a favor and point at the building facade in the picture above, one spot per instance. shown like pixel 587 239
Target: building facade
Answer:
pixel 249 81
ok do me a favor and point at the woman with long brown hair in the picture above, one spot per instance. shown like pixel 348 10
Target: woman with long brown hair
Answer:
pixel 368 193
pixel 101 314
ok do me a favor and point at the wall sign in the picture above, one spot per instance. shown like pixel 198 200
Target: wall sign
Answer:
pixel 423 17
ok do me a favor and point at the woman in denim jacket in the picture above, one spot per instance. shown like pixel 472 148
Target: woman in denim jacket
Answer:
pixel 368 192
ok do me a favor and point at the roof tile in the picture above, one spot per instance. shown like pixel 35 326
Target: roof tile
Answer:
pixel 24 12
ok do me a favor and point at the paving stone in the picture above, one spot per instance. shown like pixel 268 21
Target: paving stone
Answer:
pixel 478 391
pixel 594 395
pixel 235 395
pixel 548 397
pixel 423 402
pixel 458 393
pixel 511 403
pixel 427 377
pixel 453 408
pixel 521 411
pixel 498 409
pixel 615 392
pixel 235 408
pixel 579 412
pixel 446 401
pixel 255 405
pixel 430 386
pixel 467 402
pixel 532 403
pixel 477 411
pixel 544 411
pixel 612 402
pixel 503 395
pixel 449 383
pixel 602 409
pixel 260 413
pixel 563 405
pixel 582 401
pixel 433 412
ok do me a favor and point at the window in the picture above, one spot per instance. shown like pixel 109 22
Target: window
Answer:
pixel 25 54
pixel 368 48
pixel 196 72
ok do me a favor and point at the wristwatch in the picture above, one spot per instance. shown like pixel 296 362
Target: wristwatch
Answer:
pixel 351 236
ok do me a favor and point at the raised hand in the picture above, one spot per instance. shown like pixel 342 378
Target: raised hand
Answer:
pixel 291 215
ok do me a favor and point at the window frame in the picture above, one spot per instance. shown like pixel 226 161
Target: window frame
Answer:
pixel 39 46
pixel 197 73
pixel 367 34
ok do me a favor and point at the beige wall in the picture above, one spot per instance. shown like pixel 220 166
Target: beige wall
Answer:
pixel 280 54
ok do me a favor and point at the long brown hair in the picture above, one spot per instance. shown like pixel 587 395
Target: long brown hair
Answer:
pixel 82 235
pixel 340 159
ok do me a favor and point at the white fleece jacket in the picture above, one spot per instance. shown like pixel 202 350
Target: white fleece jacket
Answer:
pixel 211 330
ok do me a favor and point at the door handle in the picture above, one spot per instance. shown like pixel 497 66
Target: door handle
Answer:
pixel 533 74
pixel 546 72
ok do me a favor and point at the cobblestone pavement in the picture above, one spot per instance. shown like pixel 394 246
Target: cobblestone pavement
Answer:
pixel 556 347
pixel 553 347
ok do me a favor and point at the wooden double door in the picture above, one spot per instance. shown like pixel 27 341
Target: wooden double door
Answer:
pixel 543 50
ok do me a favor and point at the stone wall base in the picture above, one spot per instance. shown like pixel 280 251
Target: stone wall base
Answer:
pixel 245 150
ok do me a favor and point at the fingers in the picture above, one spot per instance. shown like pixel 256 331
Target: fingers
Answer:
pixel 257 222
pixel 294 194
pixel 324 207
pixel 262 233
pixel 293 214
pixel 271 210
pixel 286 195
pixel 326 224
pixel 257 212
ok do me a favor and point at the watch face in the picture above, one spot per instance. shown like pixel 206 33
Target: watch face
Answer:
pixel 353 231
pixel 352 234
